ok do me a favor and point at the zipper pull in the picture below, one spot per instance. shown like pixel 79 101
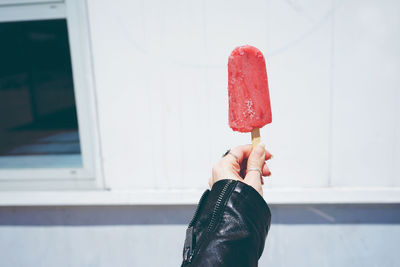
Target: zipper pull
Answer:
pixel 188 247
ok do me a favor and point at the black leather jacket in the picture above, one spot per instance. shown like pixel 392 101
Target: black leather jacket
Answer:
pixel 229 227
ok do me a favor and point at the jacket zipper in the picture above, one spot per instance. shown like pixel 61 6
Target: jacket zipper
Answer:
pixel 189 246
pixel 189 241
pixel 196 213
pixel 218 206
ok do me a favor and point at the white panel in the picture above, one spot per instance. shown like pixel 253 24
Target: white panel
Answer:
pixel 149 98
pixel 161 78
pixel 366 98
pixel 298 62
pixel 123 91
pixel 162 87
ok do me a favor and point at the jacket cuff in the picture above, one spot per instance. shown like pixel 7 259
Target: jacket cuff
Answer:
pixel 253 198
pixel 249 195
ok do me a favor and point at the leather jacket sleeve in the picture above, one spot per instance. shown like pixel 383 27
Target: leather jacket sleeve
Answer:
pixel 229 227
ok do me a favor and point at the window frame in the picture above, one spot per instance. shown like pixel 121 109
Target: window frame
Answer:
pixel 89 175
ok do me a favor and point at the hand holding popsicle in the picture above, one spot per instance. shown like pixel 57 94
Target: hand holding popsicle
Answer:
pixel 235 165
pixel 243 217
pixel 249 110
pixel 249 102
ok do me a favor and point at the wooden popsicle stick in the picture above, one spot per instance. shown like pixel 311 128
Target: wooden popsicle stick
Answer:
pixel 255 137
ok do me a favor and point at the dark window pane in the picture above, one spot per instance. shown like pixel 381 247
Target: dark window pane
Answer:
pixel 38 120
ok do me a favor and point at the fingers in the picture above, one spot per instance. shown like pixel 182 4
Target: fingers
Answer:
pixel 267 155
pixel 265 170
pixel 241 152
pixel 229 167
pixel 256 161
pixel 236 164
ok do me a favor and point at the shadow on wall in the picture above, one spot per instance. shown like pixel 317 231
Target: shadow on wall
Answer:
pixel 181 214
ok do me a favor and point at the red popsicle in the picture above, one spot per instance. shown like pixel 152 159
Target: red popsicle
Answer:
pixel 249 103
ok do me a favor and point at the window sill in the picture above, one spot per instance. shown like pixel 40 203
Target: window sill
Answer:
pixel 189 197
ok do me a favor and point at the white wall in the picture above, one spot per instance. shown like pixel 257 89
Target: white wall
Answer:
pixel 161 81
pixel 141 236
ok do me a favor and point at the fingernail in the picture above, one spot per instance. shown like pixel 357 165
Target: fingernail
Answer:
pixel 260 150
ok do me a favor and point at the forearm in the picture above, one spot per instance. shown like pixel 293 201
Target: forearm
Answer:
pixel 230 229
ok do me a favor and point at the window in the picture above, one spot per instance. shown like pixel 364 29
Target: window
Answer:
pixel 38 121
pixel 47 122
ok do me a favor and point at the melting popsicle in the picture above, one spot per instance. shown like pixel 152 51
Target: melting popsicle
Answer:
pixel 249 103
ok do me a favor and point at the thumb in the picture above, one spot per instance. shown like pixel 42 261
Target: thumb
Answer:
pixel 256 161
pixel 257 157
